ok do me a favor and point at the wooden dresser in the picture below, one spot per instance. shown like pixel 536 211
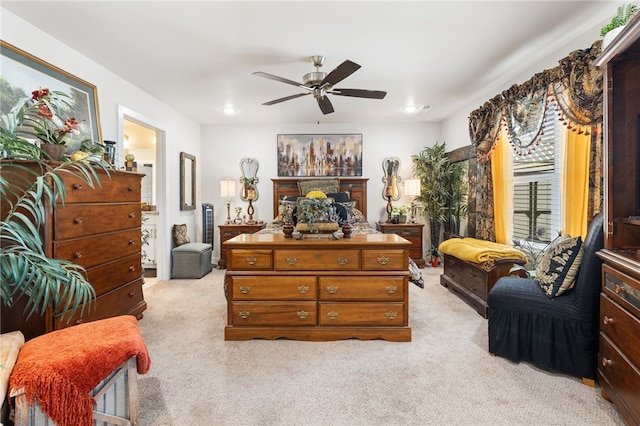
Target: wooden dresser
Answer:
pixel 99 229
pixel 231 230
pixel 619 350
pixel 317 288
pixel 408 231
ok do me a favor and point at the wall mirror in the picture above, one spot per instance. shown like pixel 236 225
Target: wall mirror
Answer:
pixel 391 167
pixel 187 181
pixel 249 184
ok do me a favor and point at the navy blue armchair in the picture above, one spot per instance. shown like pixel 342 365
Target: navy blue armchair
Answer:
pixel 559 333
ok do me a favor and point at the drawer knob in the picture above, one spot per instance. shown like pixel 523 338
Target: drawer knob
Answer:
pixel 332 289
pixel 130 189
pixel 619 289
pixel 332 315
pixel 303 314
pixel 131 242
pixel 607 362
pixel 343 261
pixel 244 289
pixel 391 289
pixel 77 220
pixel 607 320
pixel 303 289
pixel 244 314
pixel 77 254
pixel 132 294
pixel 391 315
pixel 292 260
pixel 132 268
pixel 252 260
pixel 132 215
pixel 77 186
pixel 383 260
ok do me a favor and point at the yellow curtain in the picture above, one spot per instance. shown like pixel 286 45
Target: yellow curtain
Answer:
pixel 502 173
pixel 575 181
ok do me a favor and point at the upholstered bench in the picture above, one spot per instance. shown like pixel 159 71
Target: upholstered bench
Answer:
pixel 191 260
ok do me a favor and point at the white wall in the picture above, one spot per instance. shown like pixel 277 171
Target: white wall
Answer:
pixel 224 146
pixel 181 133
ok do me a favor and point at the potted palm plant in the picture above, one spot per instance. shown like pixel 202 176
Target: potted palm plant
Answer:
pixel 432 166
pixel 30 184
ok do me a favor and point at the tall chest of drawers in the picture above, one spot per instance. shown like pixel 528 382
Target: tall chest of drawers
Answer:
pixel 619 350
pixel 99 229
pixel 317 289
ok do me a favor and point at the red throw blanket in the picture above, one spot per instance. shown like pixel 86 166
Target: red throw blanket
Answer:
pixel 60 368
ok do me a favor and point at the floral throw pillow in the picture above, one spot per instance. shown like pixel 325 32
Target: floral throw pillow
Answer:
pixel 559 265
pixel 180 236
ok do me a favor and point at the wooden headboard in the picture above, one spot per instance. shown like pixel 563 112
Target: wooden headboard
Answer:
pixel 357 187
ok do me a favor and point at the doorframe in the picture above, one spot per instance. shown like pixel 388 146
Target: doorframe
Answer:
pixel 124 113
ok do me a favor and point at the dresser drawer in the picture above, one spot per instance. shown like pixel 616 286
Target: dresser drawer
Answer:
pixel 93 251
pixel 355 314
pixel 316 260
pixel 273 313
pixel 81 220
pixel 376 288
pixel 250 260
pixel 620 327
pixel 105 277
pixel 384 260
pixel 122 188
pixel 274 288
pixel 124 300
pixel 622 289
pixel 621 375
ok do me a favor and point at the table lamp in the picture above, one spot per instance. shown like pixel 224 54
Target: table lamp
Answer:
pixel 228 190
pixel 412 189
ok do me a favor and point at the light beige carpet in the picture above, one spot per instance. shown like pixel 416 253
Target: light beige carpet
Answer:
pixel 443 377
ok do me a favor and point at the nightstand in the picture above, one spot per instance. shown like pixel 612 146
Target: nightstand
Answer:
pixel 229 231
pixel 408 231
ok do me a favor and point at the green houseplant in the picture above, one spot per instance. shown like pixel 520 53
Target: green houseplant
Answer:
pixel 624 13
pixel 30 185
pixel 432 166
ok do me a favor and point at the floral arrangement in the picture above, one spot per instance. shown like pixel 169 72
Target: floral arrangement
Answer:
pixel 316 208
pixel 39 116
pixel 402 210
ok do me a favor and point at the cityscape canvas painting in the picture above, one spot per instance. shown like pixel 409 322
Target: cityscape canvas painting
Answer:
pixel 320 155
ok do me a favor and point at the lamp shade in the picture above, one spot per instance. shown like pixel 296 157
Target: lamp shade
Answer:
pixel 412 187
pixel 227 188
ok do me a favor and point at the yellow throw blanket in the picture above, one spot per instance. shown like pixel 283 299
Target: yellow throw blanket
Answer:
pixel 478 251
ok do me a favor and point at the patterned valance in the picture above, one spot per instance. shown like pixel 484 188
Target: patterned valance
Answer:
pixel 575 85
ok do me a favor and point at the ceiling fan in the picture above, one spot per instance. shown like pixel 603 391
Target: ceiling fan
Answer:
pixel 319 84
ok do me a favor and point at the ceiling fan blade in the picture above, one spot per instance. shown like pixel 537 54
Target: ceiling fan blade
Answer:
pixel 359 93
pixel 341 72
pixel 277 101
pixel 280 79
pixel 325 105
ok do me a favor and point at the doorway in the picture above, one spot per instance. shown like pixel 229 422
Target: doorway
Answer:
pixel 139 145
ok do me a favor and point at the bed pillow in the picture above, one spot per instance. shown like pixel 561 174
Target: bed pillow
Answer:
pixel 340 197
pixel 324 185
pixel 180 236
pixel 287 209
pixel 345 212
pixel 559 265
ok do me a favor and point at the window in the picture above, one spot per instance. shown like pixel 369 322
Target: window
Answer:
pixel 536 184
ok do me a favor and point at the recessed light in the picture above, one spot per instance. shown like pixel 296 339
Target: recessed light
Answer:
pixel 412 109
pixel 229 110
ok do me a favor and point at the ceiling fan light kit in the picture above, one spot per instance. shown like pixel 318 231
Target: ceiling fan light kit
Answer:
pixel 319 84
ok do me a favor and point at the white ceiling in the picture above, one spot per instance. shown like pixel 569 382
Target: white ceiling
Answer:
pixel 199 56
